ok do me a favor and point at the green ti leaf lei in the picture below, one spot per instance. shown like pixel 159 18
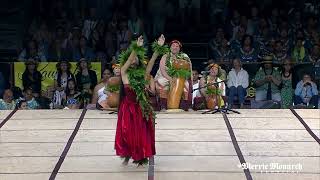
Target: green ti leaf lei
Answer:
pixel 138 83
pixel 113 88
pixel 137 80
pixel 214 91
pixel 184 73
pixel 140 51
pixel 160 49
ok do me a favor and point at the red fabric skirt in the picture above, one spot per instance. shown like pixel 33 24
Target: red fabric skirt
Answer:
pixel 135 136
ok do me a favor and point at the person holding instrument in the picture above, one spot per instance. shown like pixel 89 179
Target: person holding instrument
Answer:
pixel 213 93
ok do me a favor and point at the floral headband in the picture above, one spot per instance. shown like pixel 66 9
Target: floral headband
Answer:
pixel 115 66
pixel 176 41
pixel 213 65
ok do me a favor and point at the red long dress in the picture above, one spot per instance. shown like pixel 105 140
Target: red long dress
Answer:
pixel 135 137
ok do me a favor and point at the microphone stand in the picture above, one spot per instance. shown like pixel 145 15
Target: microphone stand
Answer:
pixel 219 109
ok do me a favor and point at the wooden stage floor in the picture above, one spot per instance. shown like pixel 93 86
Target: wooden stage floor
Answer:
pixel 190 146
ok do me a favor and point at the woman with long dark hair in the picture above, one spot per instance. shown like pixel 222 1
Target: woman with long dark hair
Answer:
pixel 61 81
pixel 99 95
pixel 135 135
pixel 86 80
pixel 286 84
pixel 247 52
pixel 31 78
pixel 72 96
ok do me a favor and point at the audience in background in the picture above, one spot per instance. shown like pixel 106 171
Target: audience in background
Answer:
pixel 31 51
pixel 99 94
pixel 306 92
pixel 286 84
pixel 22 105
pixel 31 78
pixel 2 84
pixel 7 102
pixel 86 80
pixel 71 31
pixel 267 82
pixel 238 81
pixel 29 98
pixel 61 83
pixel 73 96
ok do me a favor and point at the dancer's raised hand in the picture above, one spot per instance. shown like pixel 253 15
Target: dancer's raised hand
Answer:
pixel 161 40
pixel 140 41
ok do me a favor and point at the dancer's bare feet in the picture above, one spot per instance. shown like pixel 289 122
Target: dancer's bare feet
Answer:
pixel 126 161
pixel 141 163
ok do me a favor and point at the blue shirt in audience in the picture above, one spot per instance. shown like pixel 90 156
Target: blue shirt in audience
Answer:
pixel 306 91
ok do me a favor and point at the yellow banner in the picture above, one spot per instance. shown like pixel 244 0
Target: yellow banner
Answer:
pixel 48 71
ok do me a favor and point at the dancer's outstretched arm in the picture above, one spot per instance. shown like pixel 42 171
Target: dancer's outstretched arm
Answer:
pixel 155 55
pixel 133 55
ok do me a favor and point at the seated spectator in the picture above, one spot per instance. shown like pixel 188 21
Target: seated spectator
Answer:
pixel 286 41
pixel 31 51
pixel 83 51
pixel 233 25
pixel 73 97
pixel 99 91
pixel 2 83
pixel 44 38
pixel 263 34
pixel 86 80
pixel 29 98
pixel 22 105
pixel 279 54
pixel 306 92
pixel 7 102
pixel 286 84
pixel 247 52
pixel 123 36
pixel 314 56
pixel 223 52
pixel 61 36
pixel 198 101
pixel 31 78
pixel 299 52
pixel 273 20
pixel 267 81
pixel 217 40
pixel 254 20
pixel 90 22
pixel 61 82
pixel 238 81
pixel 236 41
pixel 97 40
pixel 58 53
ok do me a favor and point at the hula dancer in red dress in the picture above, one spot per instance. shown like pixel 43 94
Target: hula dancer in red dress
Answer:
pixel 135 134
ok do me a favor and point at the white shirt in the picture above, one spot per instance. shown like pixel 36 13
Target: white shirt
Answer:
pixel 195 93
pixel 101 95
pixel 240 79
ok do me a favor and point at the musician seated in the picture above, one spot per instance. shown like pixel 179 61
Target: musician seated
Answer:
pixel 213 87
pixel 163 79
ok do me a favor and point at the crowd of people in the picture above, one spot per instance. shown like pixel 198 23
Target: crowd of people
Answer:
pixel 273 41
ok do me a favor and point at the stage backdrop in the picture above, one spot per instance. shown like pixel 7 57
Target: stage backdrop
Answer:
pixel 48 71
